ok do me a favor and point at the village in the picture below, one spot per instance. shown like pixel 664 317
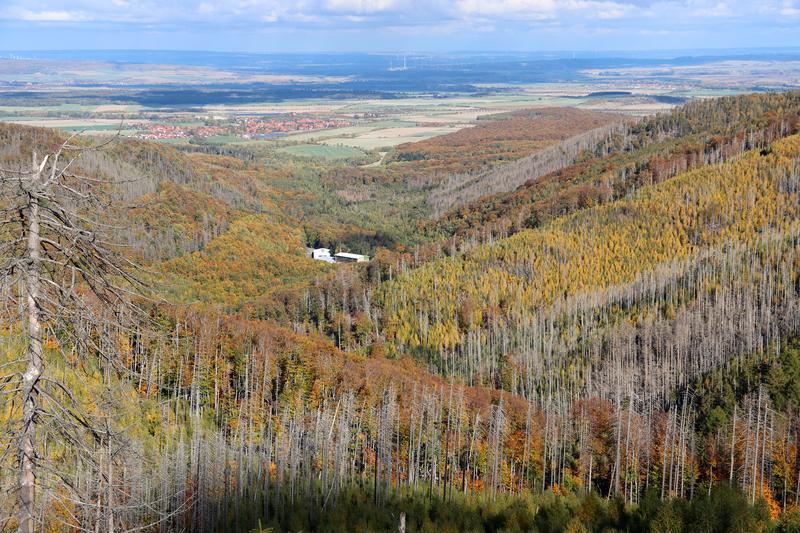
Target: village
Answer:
pixel 250 127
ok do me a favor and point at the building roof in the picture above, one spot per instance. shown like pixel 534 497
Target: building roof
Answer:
pixel 348 255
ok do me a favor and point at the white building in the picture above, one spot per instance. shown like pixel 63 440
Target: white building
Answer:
pixel 322 254
pixel 345 257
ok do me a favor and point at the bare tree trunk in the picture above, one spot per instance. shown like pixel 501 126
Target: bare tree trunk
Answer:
pixel 756 449
pixel 613 486
pixel 733 444
pixel 30 380
pixel 52 230
pixel 110 482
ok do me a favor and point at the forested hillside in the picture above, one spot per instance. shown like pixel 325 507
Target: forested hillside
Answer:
pixel 657 148
pixel 609 342
pixel 502 286
pixel 643 152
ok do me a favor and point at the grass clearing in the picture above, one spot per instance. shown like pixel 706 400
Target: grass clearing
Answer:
pixel 322 151
pixel 348 131
pixel 385 138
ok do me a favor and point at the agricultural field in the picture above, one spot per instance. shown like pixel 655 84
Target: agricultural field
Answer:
pixel 341 127
pixel 389 137
pixel 70 124
pixel 57 72
pixel 322 151
pixel 335 117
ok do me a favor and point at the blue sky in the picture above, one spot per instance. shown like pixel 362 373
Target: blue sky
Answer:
pixel 397 25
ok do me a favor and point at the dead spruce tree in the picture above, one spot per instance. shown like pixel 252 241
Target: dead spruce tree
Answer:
pixel 72 291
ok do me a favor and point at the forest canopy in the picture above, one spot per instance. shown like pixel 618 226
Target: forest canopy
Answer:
pixel 609 340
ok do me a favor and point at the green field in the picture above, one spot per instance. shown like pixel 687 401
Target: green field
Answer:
pixel 389 137
pixel 348 130
pixel 45 108
pixel 376 124
pixel 321 151
pixel 224 139
pixel 172 141
pixel 92 127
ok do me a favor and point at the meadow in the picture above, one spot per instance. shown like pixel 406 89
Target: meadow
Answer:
pixel 322 151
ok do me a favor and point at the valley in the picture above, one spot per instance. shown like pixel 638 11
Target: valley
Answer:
pixel 580 312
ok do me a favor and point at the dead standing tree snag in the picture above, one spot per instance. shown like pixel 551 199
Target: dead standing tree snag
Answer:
pixel 72 289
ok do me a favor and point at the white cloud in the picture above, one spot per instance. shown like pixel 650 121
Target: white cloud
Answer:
pixel 789 9
pixel 721 9
pixel 535 8
pixel 543 9
pixel 360 6
pixel 407 15
pixel 53 16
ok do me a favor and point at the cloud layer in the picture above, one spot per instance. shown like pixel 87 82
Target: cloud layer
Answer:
pixel 414 24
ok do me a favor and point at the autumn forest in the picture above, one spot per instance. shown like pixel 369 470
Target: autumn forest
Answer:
pixel 570 320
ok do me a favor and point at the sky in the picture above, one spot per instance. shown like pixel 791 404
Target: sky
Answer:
pixel 397 25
